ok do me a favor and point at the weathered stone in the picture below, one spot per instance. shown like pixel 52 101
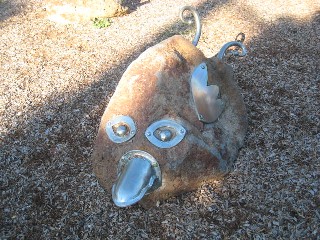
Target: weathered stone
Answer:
pixel 157 86
pixel 73 11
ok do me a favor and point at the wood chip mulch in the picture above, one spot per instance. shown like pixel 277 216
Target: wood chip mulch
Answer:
pixel 56 81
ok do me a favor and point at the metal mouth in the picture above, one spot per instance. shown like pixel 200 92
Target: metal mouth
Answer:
pixel 138 175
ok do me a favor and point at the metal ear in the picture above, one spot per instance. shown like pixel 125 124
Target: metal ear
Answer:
pixel 206 97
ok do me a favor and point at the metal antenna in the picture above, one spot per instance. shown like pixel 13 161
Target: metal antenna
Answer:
pixel 189 21
pixel 236 43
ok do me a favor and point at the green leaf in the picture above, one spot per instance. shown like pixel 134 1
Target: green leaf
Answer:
pixel 101 22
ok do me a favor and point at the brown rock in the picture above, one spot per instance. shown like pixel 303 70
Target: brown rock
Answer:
pixel 157 86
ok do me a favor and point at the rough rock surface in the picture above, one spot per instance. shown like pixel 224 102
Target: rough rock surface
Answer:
pixel 157 86
pixel 72 11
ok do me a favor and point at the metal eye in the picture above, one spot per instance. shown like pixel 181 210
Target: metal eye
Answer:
pixel 165 133
pixel 120 129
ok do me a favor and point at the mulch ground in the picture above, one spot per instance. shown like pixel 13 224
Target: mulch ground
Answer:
pixel 56 81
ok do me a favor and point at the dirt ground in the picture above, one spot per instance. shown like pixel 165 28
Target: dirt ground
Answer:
pixel 56 81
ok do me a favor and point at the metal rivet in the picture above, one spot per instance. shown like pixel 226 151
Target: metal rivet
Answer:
pixel 182 131
pixel 203 66
pixel 148 133
pixel 121 130
pixel 165 135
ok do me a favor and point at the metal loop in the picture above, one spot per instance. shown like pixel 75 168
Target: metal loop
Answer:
pixel 237 53
pixel 243 37
pixel 196 19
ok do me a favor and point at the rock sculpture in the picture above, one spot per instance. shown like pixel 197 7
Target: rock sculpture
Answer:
pixel 176 119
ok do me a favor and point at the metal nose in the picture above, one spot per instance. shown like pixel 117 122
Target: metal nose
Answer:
pixel 138 176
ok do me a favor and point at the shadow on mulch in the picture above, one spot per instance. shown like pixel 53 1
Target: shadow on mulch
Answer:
pixel 9 9
pixel 77 139
pixel 134 4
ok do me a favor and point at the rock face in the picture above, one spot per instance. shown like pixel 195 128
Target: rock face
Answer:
pixel 73 11
pixel 157 86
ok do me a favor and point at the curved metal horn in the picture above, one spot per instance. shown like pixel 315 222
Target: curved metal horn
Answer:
pixel 196 19
pixel 237 53
pixel 236 43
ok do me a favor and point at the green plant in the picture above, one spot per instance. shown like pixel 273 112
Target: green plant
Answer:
pixel 101 22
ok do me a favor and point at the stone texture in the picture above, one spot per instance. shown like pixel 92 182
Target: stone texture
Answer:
pixel 73 11
pixel 157 86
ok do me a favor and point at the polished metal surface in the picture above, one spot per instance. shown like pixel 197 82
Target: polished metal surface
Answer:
pixel 165 133
pixel 120 129
pixel 208 105
pixel 138 174
pixel 196 19
pixel 223 50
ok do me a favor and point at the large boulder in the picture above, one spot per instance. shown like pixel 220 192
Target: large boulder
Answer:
pixel 74 11
pixel 156 86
